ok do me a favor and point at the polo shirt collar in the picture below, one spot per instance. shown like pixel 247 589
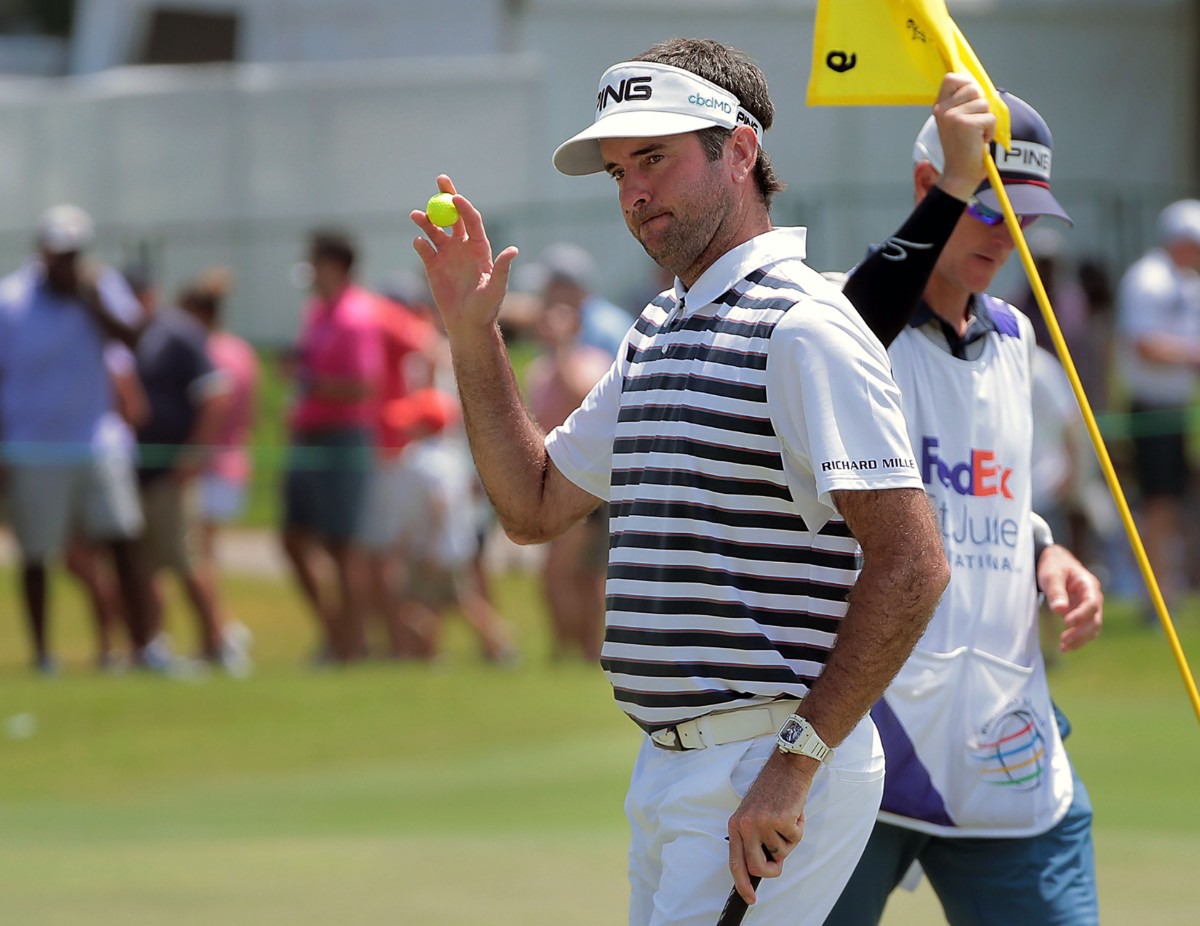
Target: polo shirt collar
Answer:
pixel 980 323
pixel 735 265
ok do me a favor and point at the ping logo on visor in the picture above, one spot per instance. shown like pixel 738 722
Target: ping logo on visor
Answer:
pixel 628 90
pixel 639 99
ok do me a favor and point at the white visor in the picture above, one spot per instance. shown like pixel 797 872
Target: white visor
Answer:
pixel 639 99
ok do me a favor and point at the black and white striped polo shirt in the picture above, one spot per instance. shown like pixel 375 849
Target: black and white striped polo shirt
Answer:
pixel 719 591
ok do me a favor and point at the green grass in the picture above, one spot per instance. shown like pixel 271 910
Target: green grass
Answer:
pixel 268 443
pixel 454 794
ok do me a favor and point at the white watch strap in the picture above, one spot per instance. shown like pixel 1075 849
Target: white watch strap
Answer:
pixel 798 738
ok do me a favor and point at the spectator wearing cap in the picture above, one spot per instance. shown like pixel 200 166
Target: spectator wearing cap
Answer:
pixel 1158 352
pixel 86 561
pixel 433 366
pixel 979 788
pixel 64 446
pixel 567 275
pixel 335 371
pixel 436 528
pixel 408 344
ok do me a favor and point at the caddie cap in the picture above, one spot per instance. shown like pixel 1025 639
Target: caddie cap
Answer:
pixel 64 229
pixel 641 99
pixel 1024 168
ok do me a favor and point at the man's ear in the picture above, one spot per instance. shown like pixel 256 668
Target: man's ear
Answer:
pixel 925 175
pixel 743 150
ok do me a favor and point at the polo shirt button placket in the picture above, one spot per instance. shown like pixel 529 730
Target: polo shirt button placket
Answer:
pixel 674 322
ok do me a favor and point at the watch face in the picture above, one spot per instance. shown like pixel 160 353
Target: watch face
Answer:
pixel 790 732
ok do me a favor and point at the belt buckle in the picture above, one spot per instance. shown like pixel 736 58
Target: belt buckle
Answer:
pixel 666 738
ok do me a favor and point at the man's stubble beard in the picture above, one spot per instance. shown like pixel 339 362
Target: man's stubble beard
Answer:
pixel 691 232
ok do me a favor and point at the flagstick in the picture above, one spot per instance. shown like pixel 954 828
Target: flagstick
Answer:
pixel 1060 344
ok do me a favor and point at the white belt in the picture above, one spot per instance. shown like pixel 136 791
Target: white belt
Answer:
pixel 726 727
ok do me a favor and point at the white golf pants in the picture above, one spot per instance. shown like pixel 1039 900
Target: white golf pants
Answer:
pixel 679 805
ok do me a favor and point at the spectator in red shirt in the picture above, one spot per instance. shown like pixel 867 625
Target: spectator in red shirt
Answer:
pixel 408 344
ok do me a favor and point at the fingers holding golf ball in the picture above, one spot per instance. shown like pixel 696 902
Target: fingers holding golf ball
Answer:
pixel 441 210
pixel 435 219
pixel 453 215
pixel 468 283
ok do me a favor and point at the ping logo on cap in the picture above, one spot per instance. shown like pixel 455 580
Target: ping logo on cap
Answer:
pixel 1026 158
pixel 628 90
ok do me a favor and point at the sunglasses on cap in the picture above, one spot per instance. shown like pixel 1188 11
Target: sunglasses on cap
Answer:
pixel 991 217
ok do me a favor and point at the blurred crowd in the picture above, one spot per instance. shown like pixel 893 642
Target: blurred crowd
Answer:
pixel 1134 342
pixel 127 424
pixel 127 428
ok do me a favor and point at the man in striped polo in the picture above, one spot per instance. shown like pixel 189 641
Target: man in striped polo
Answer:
pixel 773 558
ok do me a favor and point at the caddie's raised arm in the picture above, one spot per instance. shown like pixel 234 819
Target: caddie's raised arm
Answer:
pixel 886 287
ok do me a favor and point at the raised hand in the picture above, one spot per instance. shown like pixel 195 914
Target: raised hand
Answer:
pixel 965 127
pixel 466 281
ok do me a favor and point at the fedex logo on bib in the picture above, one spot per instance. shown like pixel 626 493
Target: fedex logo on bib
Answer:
pixel 978 475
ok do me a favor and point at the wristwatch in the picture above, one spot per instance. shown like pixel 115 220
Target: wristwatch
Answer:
pixel 798 737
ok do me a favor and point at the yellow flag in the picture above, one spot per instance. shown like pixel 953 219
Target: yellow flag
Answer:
pixel 892 53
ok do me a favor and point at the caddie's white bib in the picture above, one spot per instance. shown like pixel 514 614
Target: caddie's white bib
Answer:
pixel 972 745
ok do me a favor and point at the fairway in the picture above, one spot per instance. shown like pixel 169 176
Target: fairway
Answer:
pixel 454 794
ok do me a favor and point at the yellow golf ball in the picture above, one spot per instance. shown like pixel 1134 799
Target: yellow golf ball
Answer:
pixel 441 211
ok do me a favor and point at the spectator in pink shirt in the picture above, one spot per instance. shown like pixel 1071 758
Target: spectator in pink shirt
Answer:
pixel 335 371
pixel 225 479
pixel 228 474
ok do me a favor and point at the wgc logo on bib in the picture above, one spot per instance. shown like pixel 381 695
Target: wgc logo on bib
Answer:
pixel 1012 750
